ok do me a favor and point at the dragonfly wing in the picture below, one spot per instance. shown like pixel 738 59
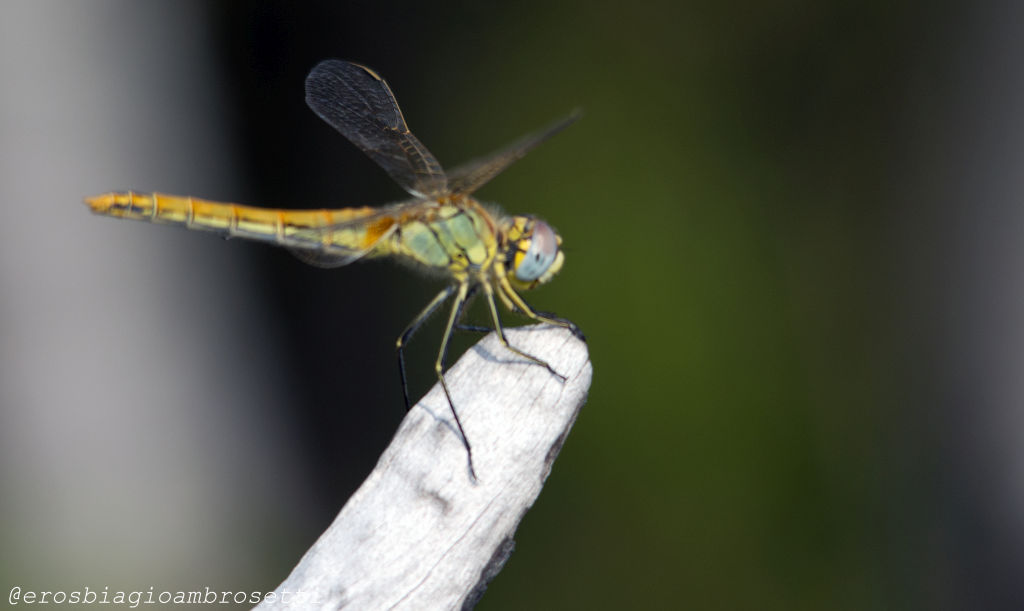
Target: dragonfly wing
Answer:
pixel 467 178
pixel 357 233
pixel 318 258
pixel 358 103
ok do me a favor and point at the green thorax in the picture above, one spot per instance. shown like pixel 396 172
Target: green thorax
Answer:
pixel 456 235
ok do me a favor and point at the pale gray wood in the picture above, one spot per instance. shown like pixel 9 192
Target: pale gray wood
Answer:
pixel 419 534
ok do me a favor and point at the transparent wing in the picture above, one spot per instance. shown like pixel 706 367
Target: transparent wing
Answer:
pixel 467 178
pixel 358 233
pixel 322 259
pixel 358 103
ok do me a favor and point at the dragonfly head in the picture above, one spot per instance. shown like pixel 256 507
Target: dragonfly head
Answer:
pixel 533 254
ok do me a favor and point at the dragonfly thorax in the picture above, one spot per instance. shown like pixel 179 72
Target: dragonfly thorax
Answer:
pixel 533 255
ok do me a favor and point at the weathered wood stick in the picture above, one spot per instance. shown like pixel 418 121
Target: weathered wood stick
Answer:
pixel 419 533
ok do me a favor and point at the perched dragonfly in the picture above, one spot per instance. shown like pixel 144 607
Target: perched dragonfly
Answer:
pixel 440 228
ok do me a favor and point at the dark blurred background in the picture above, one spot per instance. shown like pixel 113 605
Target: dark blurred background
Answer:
pixel 793 235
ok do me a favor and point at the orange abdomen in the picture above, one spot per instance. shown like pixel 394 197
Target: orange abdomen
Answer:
pixel 326 231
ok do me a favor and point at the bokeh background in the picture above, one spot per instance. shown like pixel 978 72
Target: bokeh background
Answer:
pixel 793 234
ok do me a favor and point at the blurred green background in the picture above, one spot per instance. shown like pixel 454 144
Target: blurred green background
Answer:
pixel 793 241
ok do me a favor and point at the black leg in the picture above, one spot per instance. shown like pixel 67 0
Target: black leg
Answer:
pixel 514 300
pixel 459 326
pixel 442 355
pixel 562 322
pixel 413 326
pixel 473 328
pixel 489 293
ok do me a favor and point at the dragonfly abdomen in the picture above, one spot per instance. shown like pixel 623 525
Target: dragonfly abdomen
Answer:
pixel 319 230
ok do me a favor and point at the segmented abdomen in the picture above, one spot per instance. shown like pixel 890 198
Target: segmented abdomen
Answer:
pixel 327 231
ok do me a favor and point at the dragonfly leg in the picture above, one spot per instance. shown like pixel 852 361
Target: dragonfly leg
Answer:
pixel 473 328
pixel 504 342
pixel 460 303
pixel 512 296
pixel 407 334
pixel 554 319
pixel 459 326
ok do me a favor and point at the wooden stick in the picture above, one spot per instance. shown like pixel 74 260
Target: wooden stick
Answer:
pixel 419 533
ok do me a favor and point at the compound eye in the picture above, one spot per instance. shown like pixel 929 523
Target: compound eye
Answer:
pixel 539 256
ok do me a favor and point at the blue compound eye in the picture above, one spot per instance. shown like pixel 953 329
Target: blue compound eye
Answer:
pixel 539 256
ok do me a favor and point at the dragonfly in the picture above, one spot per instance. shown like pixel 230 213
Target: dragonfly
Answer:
pixel 441 228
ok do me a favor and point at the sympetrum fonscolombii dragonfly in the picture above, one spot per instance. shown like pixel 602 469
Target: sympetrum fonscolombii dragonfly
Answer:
pixel 441 228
